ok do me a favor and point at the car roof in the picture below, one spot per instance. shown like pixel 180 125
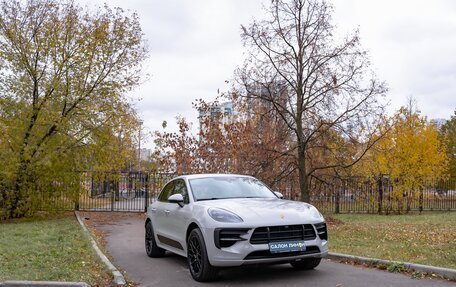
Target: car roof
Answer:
pixel 206 175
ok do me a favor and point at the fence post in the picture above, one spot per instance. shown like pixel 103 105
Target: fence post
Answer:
pixel 146 190
pixel 337 209
pixel 76 204
pixel 380 194
pixel 91 185
pixel 452 187
pixel 112 196
pixel 115 185
pixel 420 201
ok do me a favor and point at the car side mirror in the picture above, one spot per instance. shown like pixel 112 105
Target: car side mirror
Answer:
pixel 177 198
pixel 278 194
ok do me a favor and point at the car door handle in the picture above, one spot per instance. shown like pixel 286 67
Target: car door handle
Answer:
pixel 153 210
pixel 166 212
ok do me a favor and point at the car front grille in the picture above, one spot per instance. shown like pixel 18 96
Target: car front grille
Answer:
pixel 322 231
pixel 227 237
pixel 265 235
pixel 265 254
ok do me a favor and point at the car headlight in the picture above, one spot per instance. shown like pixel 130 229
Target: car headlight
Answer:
pixel 315 213
pixel 223 215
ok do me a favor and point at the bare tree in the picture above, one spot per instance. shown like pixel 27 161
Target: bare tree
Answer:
pixel 244 140
pixel 316 84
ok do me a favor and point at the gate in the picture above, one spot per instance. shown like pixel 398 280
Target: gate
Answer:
pixel 132 191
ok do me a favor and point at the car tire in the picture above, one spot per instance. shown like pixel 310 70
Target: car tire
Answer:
pixel 152 249
pixel 306 263
pixel 198 262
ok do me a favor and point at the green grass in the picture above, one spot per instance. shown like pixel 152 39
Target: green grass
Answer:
pixel 50 249
pixel 429 238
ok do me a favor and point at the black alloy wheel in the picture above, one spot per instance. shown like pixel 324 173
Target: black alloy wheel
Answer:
pixel 152 249
pixel 198 262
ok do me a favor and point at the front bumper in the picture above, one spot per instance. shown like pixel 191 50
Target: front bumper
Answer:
pixel 243 252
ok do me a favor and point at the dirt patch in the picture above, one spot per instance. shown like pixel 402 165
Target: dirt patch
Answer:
pixel 109 218
pixel 333 221
pixel 95 220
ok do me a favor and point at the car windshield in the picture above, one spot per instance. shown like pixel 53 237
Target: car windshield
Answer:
pixel 211 188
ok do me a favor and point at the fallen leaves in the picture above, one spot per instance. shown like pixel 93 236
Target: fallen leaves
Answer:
pixel 425 239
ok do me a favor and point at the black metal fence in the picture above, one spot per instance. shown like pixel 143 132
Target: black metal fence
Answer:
pixel 134 191
pixel 382 196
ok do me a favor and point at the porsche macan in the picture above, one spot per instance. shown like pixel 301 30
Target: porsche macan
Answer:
pixel 221 220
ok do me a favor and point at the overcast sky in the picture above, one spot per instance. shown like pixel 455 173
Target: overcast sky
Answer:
pixel 195 46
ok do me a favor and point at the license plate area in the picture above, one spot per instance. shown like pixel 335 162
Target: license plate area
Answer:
pixel 287 246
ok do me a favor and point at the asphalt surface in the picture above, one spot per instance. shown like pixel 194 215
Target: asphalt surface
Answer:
pixel 125 243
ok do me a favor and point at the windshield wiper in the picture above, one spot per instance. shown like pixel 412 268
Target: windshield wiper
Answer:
pixel 212 198
pixel 215 198
pixel 248 197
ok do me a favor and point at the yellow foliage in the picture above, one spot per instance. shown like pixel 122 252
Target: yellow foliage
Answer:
pixel 409 153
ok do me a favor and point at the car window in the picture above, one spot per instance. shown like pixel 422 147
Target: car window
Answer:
pixel 181 188
pixel 166 192
pixel 228 187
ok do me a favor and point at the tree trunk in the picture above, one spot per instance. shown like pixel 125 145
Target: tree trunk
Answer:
pixel 21 175
pixel 303 184
pixel 18 192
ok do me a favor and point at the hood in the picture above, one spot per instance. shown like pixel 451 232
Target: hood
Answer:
pixel 267 211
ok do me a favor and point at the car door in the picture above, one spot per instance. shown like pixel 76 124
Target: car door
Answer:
pixel 158 208
pixel 178 216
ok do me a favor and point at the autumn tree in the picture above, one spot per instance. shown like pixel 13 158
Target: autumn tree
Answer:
pixel 244 141
pixel 448 136
pixel 64 73
pixel 410 154
pixel 176 152
pixel 314 82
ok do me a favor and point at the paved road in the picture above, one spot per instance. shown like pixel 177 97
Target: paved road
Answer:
pixel 125 244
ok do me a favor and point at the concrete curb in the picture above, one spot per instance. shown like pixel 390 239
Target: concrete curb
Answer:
pixel 444 272
pixel 119 279
pixel 42 283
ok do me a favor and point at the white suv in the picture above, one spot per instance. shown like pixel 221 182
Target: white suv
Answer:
pixel 217 220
